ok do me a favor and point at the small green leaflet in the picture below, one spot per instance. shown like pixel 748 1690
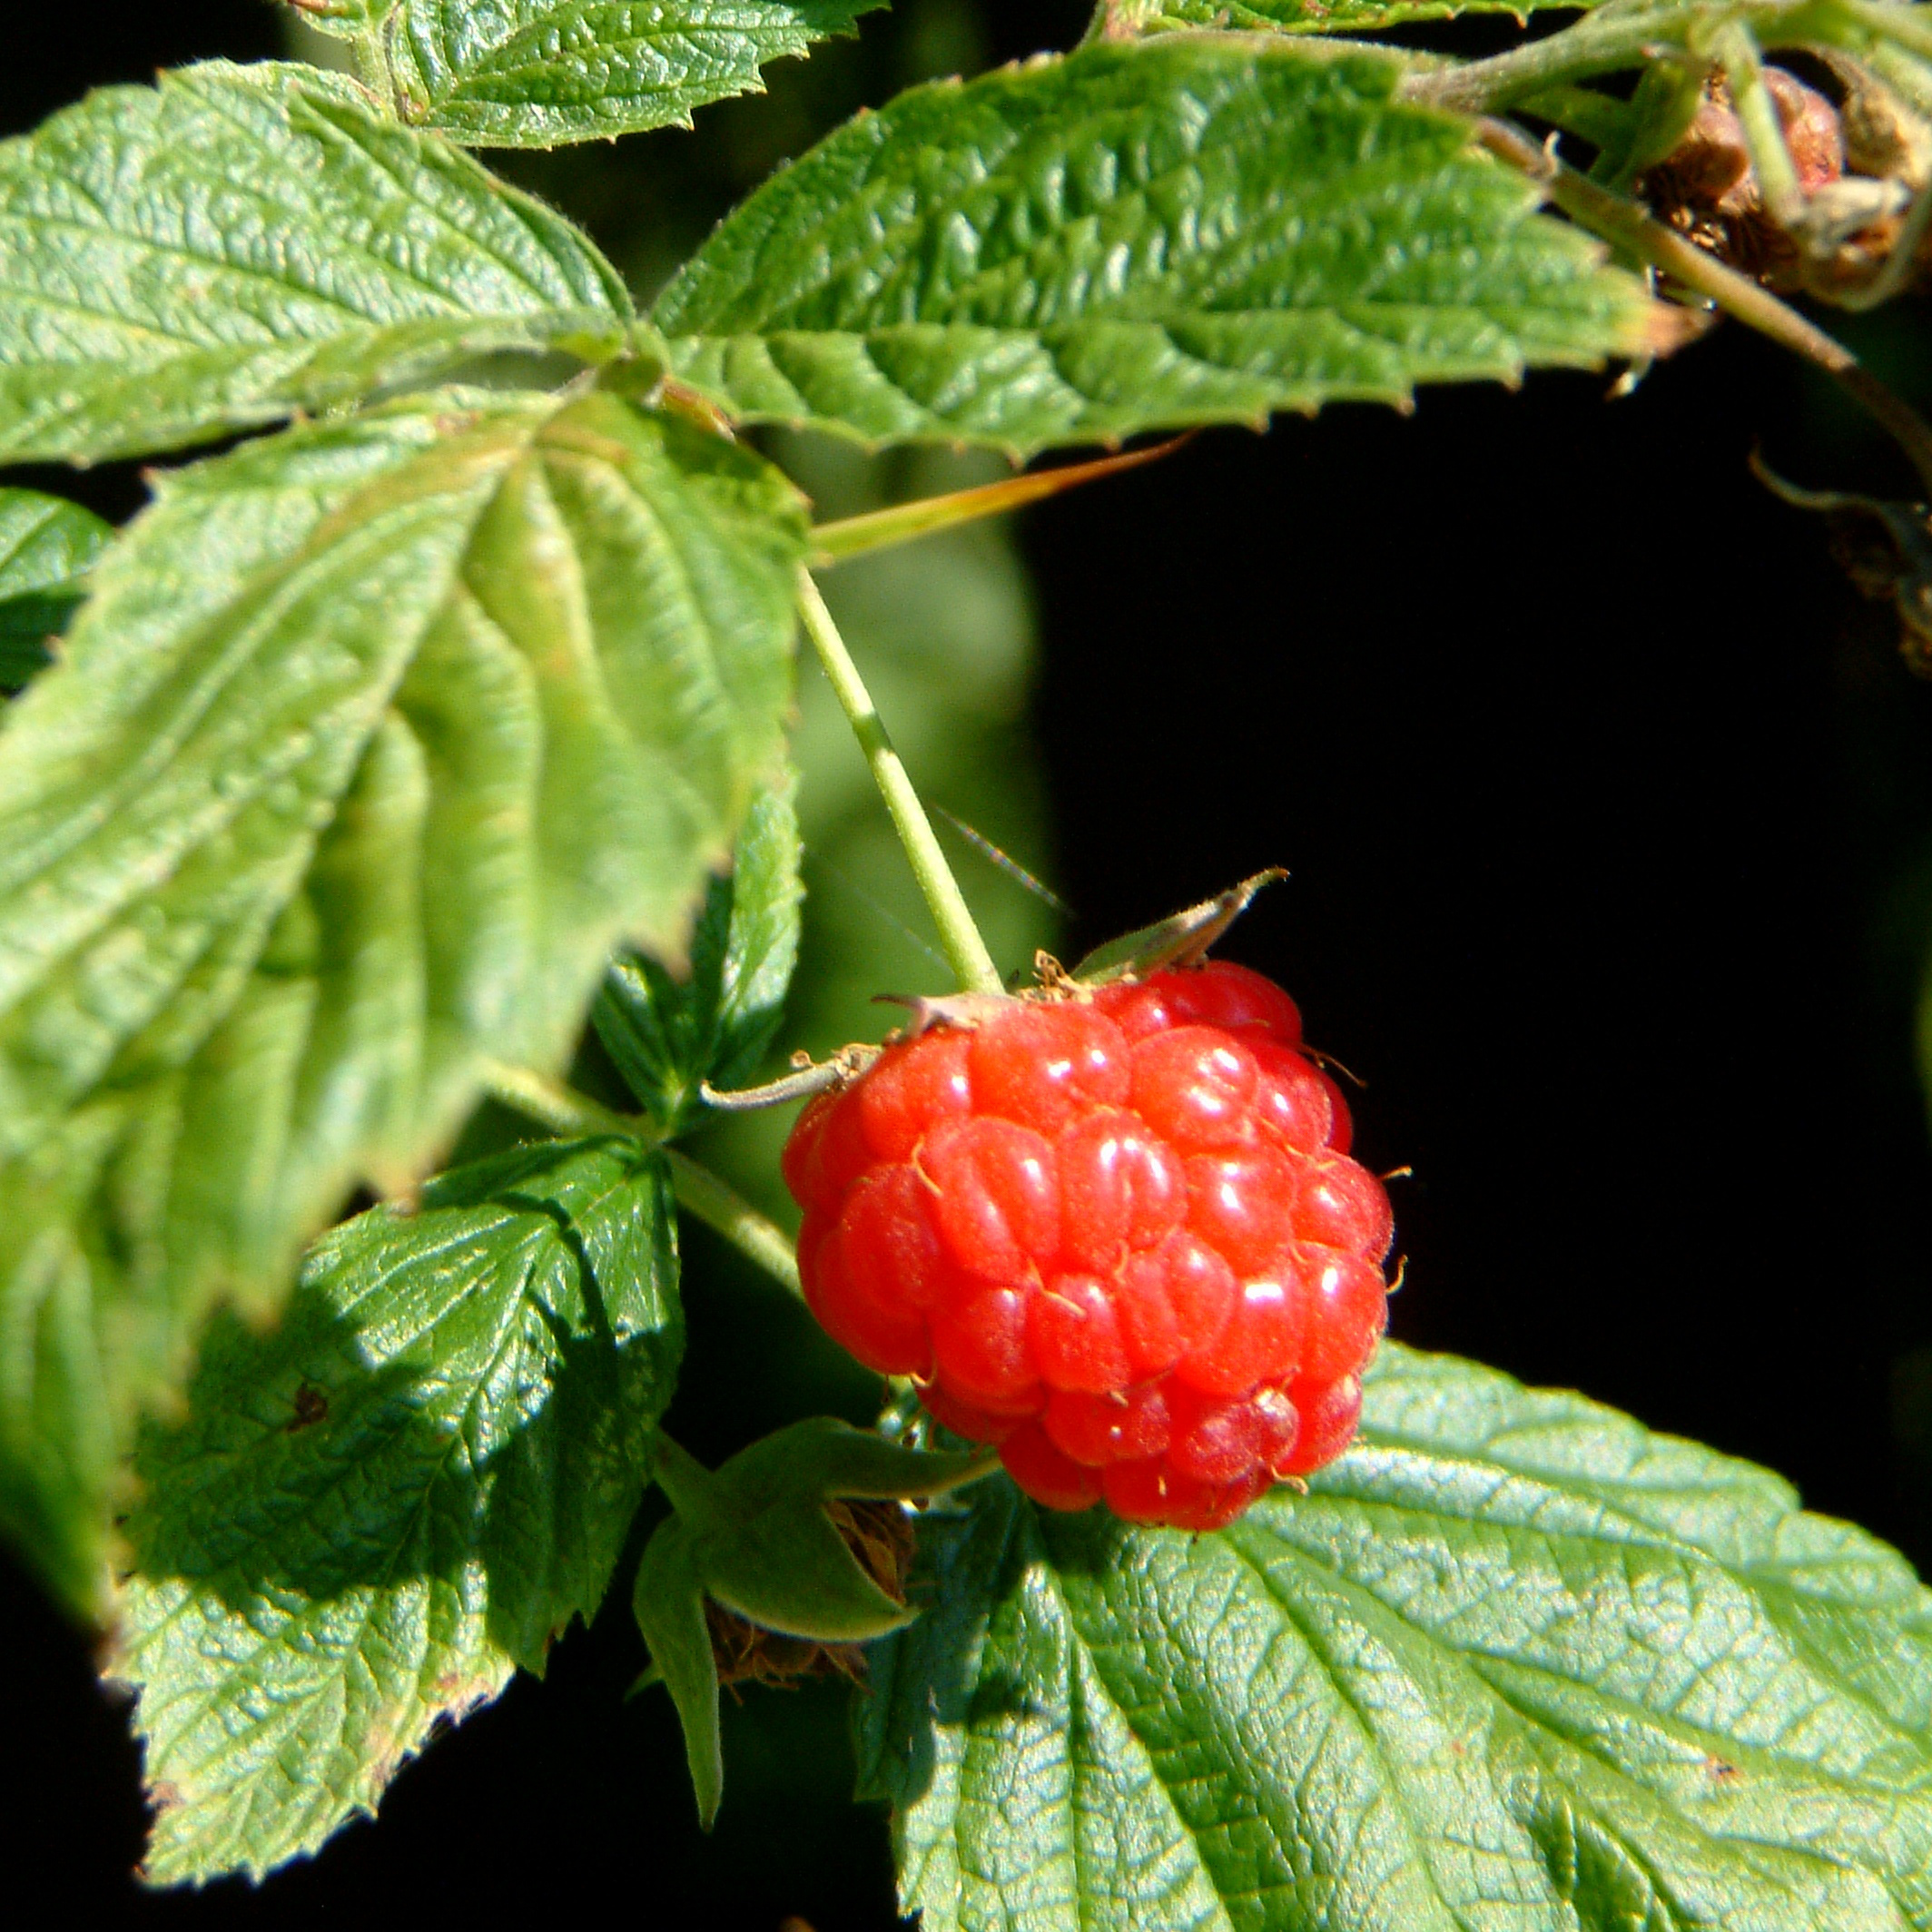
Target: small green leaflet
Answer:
pixel 1515 1661
pixel 755 1535
pixel 535 74
pixel 714 1023
pixel 1336 16
pixel 239 242
pixel 371 741
pixel 372 1514
pixel 47 546
pixel 1184 230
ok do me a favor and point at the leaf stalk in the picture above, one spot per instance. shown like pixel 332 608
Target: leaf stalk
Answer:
pixel 965 949
pixel 560 1107
pixel 1593 46
pixel 699 1191
pixel 1620 39
pixel 727 1212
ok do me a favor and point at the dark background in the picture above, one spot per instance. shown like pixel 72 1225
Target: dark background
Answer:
pixel 1609 809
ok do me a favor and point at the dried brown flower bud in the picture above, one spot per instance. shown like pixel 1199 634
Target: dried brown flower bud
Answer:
pixel 1856 166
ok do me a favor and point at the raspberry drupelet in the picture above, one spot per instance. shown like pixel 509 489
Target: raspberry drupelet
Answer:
pixel 1118 1234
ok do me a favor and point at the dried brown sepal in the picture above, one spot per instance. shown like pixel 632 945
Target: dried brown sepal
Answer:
pixel 809 1078
pixel 880 1534
pixel 1885 141
pixel 1883 137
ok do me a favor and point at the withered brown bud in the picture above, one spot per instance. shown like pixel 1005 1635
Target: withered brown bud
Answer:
pixel 1709 172
pixel 1812 130
pixel 1858 166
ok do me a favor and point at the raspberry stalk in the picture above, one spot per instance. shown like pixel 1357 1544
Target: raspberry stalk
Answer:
pixel 965 949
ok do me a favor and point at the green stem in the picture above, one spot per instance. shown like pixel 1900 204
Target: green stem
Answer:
pixel 957 933
pixel 699 1191
pixel 562 1109
pixel 374 68
pixel 986 1464
pixel 833 543
pixel 1627 225
pixel 1578 52
pixel 1622 39
pixel 725 1211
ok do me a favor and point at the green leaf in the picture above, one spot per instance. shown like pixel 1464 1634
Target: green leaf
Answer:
pixel 371 741
pixel 535 74
pixel 1515 1661
pixel 666 1034
pixel 1180 231
pixel 373 1513
pixel 1339 16
pixel 47 546
pixel 239 242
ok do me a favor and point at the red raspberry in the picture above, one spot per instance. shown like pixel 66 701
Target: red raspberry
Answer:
pixel 1118 1236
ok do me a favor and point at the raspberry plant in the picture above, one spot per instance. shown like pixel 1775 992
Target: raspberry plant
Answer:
pixel 445 709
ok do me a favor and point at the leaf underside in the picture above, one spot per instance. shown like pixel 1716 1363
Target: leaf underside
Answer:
pixel 373 1514
pixel 239 242
pixel 372 740
pixel 540 73
pixel 48 544
pixel 1182 231
pixel 1515 1662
